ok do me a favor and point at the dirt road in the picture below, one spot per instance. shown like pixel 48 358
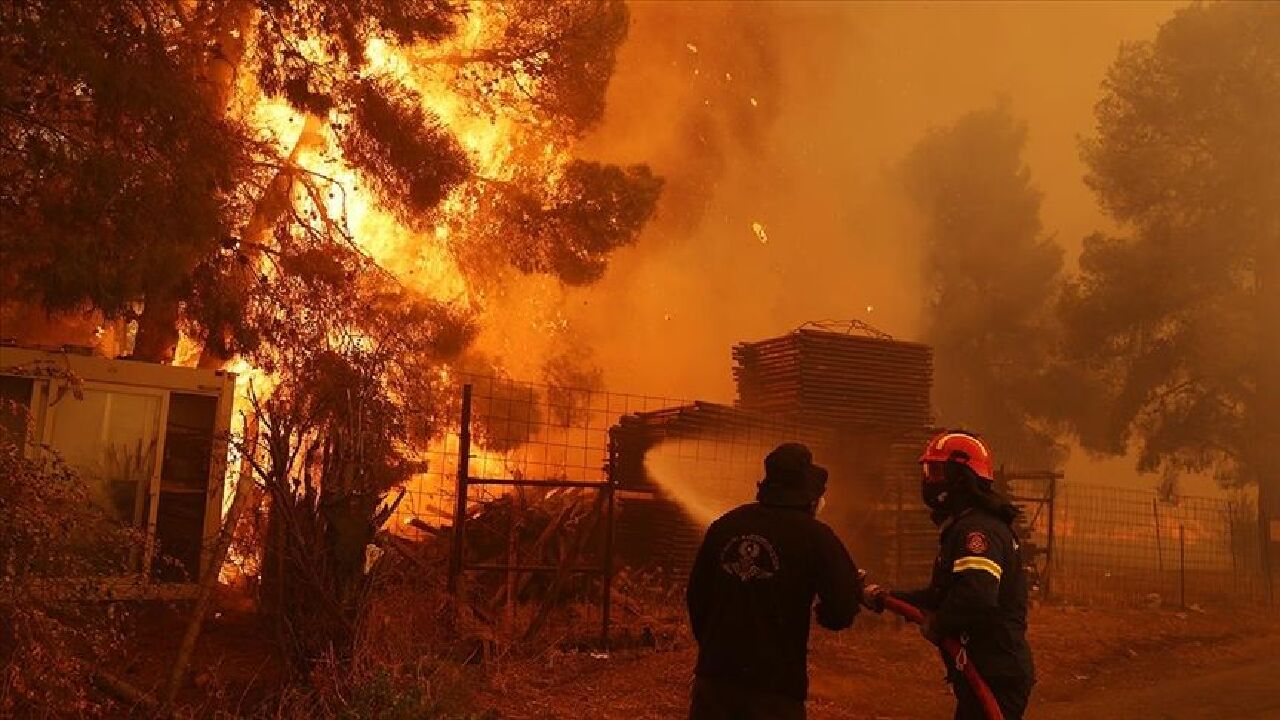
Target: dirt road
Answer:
pixel 1095 664
pixel 1245 686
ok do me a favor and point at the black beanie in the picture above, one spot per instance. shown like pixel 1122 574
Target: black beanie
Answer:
pixel 790 477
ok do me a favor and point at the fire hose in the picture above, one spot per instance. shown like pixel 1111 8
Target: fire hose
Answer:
pixel 955 653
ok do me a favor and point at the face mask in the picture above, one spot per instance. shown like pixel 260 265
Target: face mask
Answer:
pixel 934 495
pixel 934 487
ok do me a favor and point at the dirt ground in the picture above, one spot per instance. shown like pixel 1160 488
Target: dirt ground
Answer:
pixel 1092 663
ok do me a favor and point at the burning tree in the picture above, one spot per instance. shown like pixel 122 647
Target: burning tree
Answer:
pixel 992 275
pixel 155 152
pixel 1173 324
pixel 321 189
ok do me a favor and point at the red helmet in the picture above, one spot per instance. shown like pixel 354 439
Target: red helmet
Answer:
pixel 961 447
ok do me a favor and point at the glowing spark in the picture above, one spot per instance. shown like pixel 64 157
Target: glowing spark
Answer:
pixel 754 103
pixel 758 229
pixel 870 308
pixel 692 48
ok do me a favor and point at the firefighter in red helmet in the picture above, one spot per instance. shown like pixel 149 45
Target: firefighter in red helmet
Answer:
pixel 978 593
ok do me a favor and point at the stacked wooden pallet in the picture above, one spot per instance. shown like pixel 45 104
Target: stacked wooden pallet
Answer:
pixel 909 540
pixel 716 431
pixel 655 532
pixel 836 379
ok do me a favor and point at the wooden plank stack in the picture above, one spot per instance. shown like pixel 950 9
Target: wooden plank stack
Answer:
pixel 861 401
pixel 836 378
pixel 719 427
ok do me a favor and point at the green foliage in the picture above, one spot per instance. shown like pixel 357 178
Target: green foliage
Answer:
pixel 1172 326
pixel 991 276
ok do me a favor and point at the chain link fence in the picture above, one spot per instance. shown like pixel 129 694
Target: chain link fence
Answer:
pixel 1131 547
pixel 674 465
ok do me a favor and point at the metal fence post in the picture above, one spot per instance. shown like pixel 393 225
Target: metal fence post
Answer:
pixel 606 602
pixel 1182 566
pixel 1048 545
pixel 897 534
pixel 460 501
pixel 1155 514
pixel 1231 545
pixel 1265 542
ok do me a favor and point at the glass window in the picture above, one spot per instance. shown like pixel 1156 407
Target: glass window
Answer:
pixel 111 438
pixel 15 405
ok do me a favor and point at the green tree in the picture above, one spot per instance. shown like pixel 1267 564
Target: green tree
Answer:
pixel 1173 323
pixel 991 275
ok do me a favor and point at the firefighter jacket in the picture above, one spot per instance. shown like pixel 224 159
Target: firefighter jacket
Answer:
pixel 979 594
pixel 752 589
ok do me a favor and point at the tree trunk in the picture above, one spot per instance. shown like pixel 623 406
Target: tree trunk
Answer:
pixel 157 339
pixel 226 41
pixel 266 213
pixel 157 328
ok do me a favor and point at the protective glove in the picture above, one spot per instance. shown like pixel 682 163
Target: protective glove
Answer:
pixel 873 597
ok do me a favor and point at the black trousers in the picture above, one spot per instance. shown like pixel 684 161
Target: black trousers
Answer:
pixel 720 700
pixel 1012 694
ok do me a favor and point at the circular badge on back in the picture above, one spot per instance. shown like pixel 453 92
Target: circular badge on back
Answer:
pixel 976 543
pixel 749 557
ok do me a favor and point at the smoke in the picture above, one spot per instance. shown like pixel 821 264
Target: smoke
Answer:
pixel 777 127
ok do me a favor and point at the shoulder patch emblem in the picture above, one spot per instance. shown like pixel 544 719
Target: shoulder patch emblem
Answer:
pixel 976 543
pixel 749 557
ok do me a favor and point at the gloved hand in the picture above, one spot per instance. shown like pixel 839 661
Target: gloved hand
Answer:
pixel 873 597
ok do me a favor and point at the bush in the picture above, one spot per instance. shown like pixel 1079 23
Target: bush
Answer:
pixel 425 690
pixel 54 542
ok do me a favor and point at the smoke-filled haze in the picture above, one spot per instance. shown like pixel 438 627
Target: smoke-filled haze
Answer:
pixel 795 115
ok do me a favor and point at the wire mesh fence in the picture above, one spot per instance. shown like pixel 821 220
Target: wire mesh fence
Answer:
pixel 675 465
pixel 1130 546
pixel 520 431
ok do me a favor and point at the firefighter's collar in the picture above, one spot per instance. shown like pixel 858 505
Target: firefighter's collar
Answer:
pixel 951 520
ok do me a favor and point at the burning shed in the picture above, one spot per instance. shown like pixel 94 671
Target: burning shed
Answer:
pixel 149 440
pixel 858 398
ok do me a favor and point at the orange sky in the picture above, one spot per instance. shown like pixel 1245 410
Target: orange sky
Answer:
pixel 842 91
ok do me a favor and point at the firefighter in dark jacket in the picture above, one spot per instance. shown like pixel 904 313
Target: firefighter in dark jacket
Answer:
pixel 752 590
pixel 978 593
